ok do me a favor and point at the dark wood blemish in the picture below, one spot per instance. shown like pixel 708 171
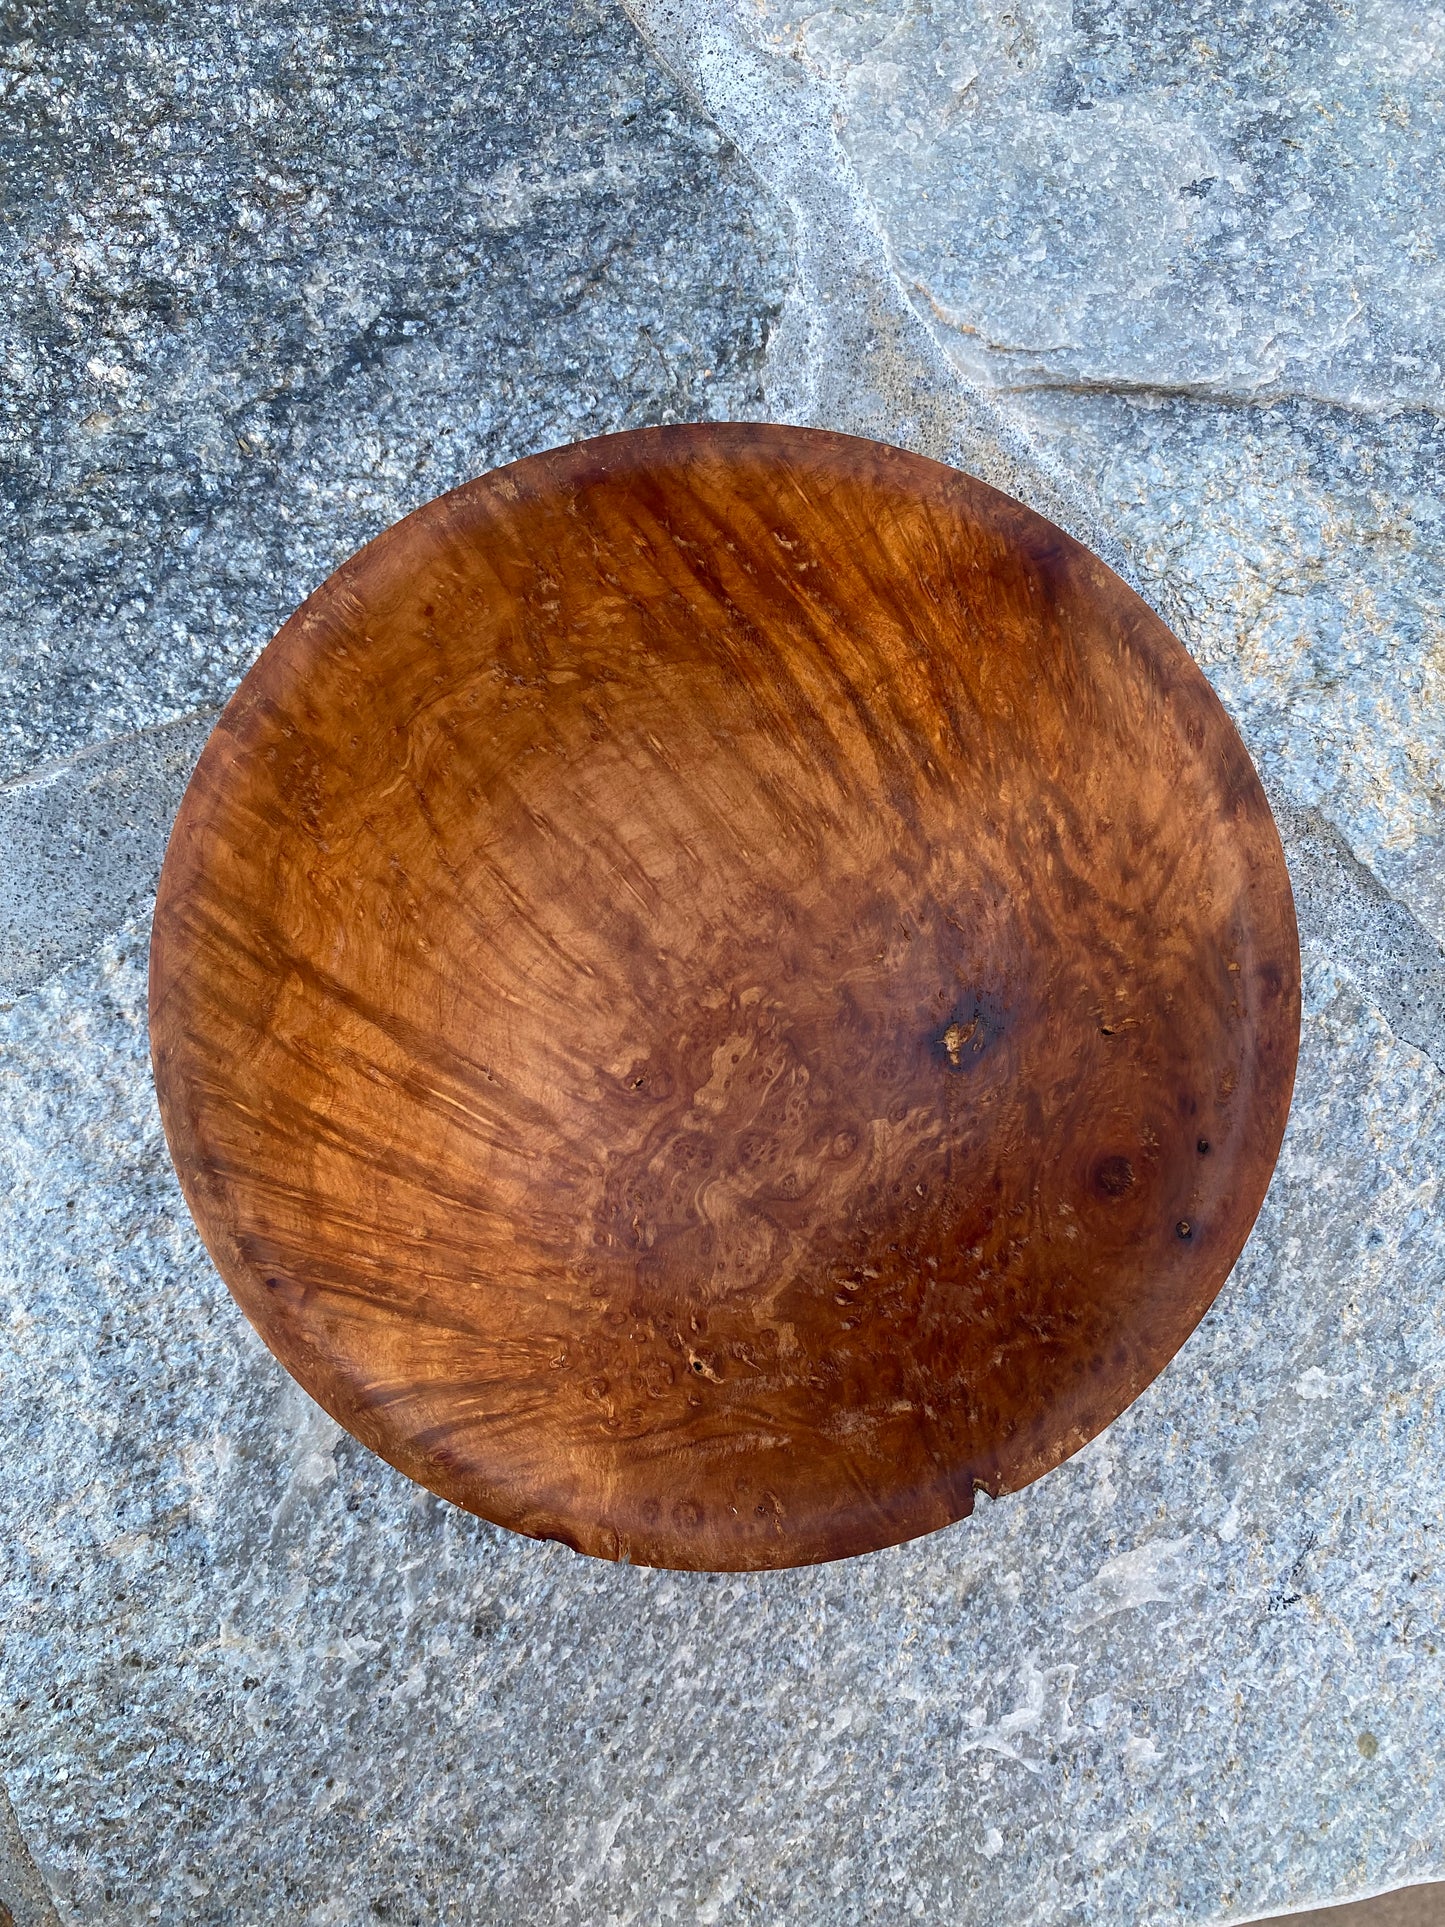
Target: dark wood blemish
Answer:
pixel 1114 1176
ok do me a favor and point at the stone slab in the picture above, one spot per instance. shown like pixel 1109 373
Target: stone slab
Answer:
pixel 1224 199
pixel 276 279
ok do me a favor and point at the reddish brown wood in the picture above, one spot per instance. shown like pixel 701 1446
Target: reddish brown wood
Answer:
pixel 719 989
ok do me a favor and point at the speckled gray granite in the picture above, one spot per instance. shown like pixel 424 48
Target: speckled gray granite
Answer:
pixel 1229 196
pixel 277 274
pixel 1171 276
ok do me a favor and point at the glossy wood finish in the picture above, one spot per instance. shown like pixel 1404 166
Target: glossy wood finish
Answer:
pixel 719 989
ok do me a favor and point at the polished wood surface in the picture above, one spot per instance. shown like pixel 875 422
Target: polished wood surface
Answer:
pixel 720 989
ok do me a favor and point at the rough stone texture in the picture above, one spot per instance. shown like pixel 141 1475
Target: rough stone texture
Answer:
pixel 1223 196
pixel 278 274
pixel 1196 1674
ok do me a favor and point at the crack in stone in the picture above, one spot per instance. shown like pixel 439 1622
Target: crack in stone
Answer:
pixel 1265 397
pixel 83 837
pixel 44 774
pixel 949 323
pixel 1344 908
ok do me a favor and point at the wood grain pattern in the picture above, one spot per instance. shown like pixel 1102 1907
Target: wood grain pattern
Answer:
pixel 719 989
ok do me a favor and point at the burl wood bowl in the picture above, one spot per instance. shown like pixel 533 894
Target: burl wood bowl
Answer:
pixel 721 989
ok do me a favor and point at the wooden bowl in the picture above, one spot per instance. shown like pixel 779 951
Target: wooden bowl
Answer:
pixel 718 990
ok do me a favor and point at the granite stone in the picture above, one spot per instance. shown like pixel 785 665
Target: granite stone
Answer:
pixel 277 275
pixel 250 1673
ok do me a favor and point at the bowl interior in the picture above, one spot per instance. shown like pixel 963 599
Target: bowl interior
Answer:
pixel 718 989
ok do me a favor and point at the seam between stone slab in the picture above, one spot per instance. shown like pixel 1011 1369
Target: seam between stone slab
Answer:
pixel 23 1891
pixel 84 836
pixel 851 350
pixel 43 774
pixel 1344 908
pixel 948 328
